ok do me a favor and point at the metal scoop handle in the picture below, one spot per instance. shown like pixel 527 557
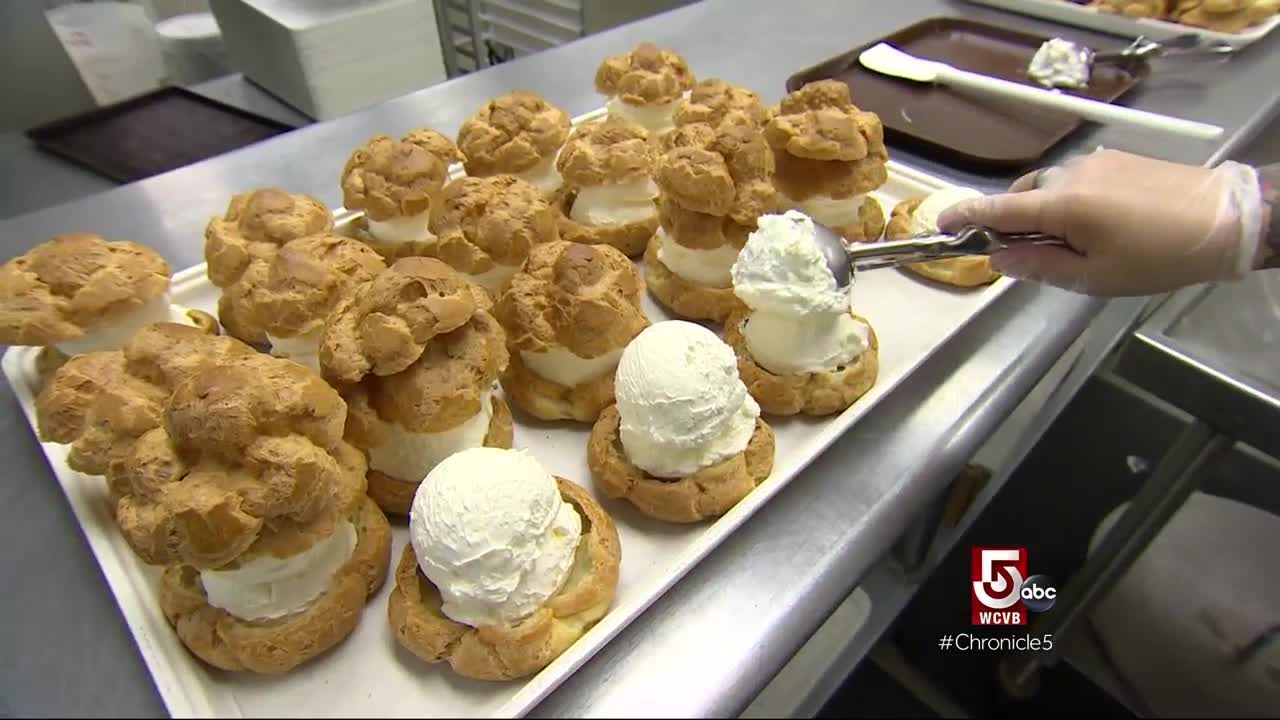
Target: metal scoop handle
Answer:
pixel 972 240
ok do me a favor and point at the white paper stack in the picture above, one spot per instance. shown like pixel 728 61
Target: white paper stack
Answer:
pixel 331 57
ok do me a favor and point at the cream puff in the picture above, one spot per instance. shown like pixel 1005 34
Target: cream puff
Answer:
pixel 417 356
pixel 99 403
pixel 800 346
pixel 228 467
pixel 829 156
pixel 302 283
pixel 715 182
pixel 567 317
pixel 685 441
pixel 78 293
pixel 609 190
pixel 644 86
pixel 487 226
pixel 519 134
pixel 507 566
pixel 395 183
pixel 240 245
pixel 1158 9
pixel 919 216
pixel 714 101
pixel 1231 16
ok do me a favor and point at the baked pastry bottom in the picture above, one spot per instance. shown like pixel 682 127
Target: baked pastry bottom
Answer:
pixel 961 272
pixel 707 493
pixel 686 299
pixel 548 400
pixel 817 394
pixel 492 652
pixel 395 496
pixel 277 646
pixel 630 238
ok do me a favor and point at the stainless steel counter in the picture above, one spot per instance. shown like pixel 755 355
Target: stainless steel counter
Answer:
pixel 717 637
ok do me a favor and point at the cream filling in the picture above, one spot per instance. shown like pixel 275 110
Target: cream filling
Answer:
pixel 401 229
pixel 709 268
pixel 785 344
pixel 409 456
pixel 657 119
pixel 567 368
pixel 303 349
pixel 494 278
pixel 830 211
pixel 543 176
pixel 648 450
pixel 114 334
pixel 269 587
pixel 617 204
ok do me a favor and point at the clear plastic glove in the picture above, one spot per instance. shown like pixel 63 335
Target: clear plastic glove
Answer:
pixel 1138 226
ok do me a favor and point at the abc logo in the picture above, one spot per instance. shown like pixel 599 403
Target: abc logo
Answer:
pixel 1038 593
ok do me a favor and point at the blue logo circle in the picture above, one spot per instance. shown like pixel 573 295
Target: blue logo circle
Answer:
pixel 1038 593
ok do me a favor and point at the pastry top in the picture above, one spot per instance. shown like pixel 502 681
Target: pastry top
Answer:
pixel 254 227
pixel 611 152
pixel 512 134
pixel 584 298
pixel 304 281
pixel 441 389
pixel 820 122
pixel 100 402
pixel 724 171
pixel 1137 8
pixel 64 286
pixel 388 178
pixel 647 75
pixel 714 101
pixel 482 222
pixel 384 325
pixel 249 449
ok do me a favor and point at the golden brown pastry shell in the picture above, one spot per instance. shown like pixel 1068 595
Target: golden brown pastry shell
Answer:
pixel 683 298
pixel 278 646
pixel 630 238
pixel 506 653
pixel 817 394
pixel 707 493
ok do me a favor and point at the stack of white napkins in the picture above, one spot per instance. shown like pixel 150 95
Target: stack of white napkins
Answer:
pixel 331 57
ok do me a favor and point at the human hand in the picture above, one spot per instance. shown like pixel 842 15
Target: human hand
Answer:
pixel 1138 226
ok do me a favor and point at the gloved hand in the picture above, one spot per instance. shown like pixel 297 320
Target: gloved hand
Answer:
pixel 1139 226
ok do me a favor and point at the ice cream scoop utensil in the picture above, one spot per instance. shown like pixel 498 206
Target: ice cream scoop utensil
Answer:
pixel 845 261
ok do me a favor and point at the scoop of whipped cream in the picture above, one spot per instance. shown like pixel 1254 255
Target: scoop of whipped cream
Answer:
pixel 303 349
pixel 799 320
pixel 1061 63
pixel 681 403
pixel 269 587
pixel 657 119
pixel 615 204
pixel 924 221
pixel 493 534
pixel 409 456
pixel 114 334
pixel 709 268
pixel 410 228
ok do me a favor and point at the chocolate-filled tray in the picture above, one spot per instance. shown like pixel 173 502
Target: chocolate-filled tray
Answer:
pixel 153 133
pixel 963 128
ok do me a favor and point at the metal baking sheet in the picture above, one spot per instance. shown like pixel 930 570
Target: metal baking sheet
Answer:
pixel 369 674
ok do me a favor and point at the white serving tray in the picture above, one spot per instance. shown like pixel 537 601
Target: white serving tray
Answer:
pixel 369 674
pixel 1094 19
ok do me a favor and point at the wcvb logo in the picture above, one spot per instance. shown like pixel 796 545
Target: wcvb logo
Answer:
pixel 1002 591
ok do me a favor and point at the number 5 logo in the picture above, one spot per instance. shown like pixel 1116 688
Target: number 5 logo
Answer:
pixel 998 576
